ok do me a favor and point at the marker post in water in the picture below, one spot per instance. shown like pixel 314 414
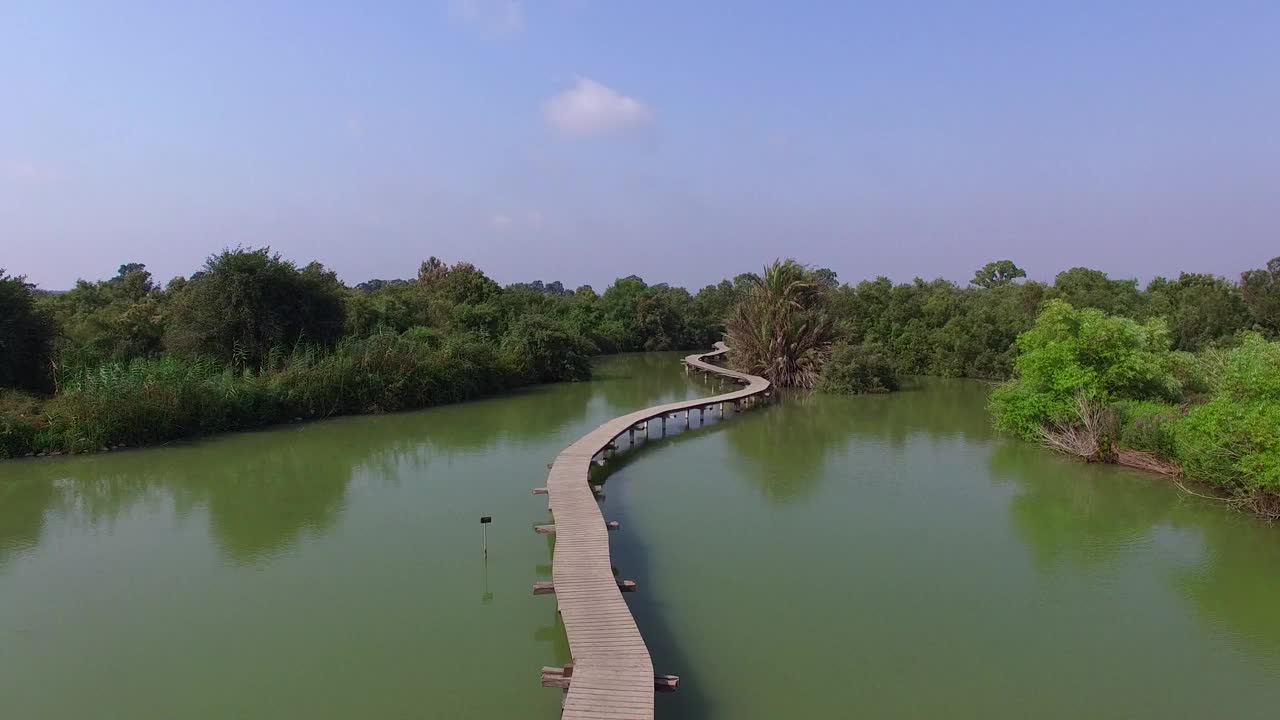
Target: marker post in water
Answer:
pixel 484 529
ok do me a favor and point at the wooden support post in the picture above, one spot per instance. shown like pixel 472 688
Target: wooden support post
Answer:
pixel 544 587
pixel 540 491
pixel 545 529
pixel 612 525
pixel 554 677
pixel 666 683
pixel 561 678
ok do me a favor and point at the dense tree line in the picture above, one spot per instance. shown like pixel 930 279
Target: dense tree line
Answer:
pixel 251 338
pixel 254 318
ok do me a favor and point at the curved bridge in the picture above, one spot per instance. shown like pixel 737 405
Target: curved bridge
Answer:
pixel 612 674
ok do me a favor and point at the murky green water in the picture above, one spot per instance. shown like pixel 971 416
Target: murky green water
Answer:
pixel 825 557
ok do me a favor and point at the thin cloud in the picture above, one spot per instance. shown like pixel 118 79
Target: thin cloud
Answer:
pixel 500 222
pixel 500 16
pixel 591 108
pixel 29 173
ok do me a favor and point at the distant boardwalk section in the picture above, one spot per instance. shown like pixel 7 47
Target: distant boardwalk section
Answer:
pixel 612 674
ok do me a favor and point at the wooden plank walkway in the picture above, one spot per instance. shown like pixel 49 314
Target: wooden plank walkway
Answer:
pixel 612 675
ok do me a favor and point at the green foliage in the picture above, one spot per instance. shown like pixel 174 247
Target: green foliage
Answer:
pixel 857 369
pixel 937 328
pixel 1072 353
pixel 1200 309
pixel 1084 288
pixel 780 328
pixel 1000 272
pixel 295 330
pixel 22 423
pixel 1234 439
pixel 1261 291
pixel 244 303
pixel 115 319
pixel 153 400
pixel 539 350
pixel 26 336
pixel 1148 426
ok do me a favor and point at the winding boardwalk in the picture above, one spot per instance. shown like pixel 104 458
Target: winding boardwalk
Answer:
pixel 612 674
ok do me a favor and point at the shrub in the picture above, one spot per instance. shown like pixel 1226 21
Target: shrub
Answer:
pixel 26 334
pixel 856 369
pixel 1234 439
pixel 1070 353
pixel 540 350
pixel 1148 426
pixel 244 303
pixel 780 329
pixel 21 424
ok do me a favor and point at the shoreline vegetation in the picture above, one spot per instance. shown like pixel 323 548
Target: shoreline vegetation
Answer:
pixel 1180 377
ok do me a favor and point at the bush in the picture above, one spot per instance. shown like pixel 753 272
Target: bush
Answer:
pixel 1234 439
pixel 26 334
pixel 780 327
pixel 1148 426
pixel 244 303
pixel 154 400
pixel 1071 353
pixel 540 350
pixel 856 369
pixel 21 424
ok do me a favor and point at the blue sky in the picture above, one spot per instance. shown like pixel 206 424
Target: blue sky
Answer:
pixel 582 140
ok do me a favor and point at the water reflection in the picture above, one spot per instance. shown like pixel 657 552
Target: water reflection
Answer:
pixel 1070 512
pixel 264 491
pixel 1237 584
pixel 632 381
pixel 22 522
pixel 1073 515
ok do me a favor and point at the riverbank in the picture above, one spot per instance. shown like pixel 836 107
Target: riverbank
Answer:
pixel 145 402
pixel 1108 389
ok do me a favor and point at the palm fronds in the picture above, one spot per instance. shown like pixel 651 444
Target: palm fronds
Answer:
pixel 780 329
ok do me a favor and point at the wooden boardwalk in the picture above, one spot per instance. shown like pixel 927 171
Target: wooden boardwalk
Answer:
pixel 612 675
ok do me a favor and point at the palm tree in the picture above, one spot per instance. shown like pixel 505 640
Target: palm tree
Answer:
pixel 780 328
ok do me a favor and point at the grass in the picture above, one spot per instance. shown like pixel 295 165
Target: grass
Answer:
pixel 151 401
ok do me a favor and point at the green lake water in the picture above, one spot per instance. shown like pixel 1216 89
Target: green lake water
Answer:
pixel 821 557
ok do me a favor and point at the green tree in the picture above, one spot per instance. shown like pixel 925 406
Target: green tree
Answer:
pixel 997 273
pixel 1200 309
pixel 539 350
pixel 26 336
pixel 1233 439
pixel 1261 289
pixel 1085 288
pixel 245 303
pixel 1071 353
pixel 858 369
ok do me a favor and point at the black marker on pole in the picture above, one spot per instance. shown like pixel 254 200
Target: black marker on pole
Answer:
pixel 484 529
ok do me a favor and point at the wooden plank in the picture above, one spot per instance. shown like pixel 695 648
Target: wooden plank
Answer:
pixel 612 675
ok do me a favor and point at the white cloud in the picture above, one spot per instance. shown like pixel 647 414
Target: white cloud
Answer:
pixel 500 222
pixel 590 108
pixel 501 16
